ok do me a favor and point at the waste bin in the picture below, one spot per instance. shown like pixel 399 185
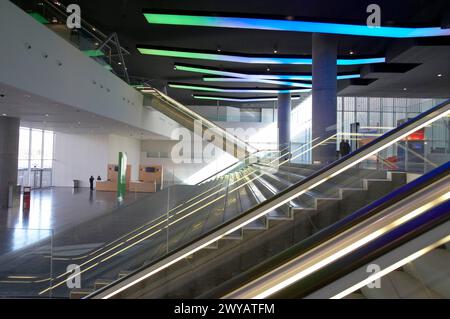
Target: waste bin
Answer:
pixel 76 183
pixel 26 197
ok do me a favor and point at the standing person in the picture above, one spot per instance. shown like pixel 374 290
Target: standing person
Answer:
pixel 342 148
pixel 99 178
pixel 348 147
pixel 91 182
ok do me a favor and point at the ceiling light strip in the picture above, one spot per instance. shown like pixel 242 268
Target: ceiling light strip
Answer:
pixel 236 99
pixel 166 52
pixel 244 80
pixel 296 26
pixel 233 90
pixel 230 74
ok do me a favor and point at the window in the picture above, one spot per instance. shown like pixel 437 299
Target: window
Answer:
pixel 35 157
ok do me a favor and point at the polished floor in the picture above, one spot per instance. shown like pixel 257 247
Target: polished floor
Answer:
pixel 54 210
pixel 64 227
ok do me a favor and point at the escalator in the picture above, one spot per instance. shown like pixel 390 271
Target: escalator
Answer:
pixel 271 208
pixel 210 131
pixel 396 247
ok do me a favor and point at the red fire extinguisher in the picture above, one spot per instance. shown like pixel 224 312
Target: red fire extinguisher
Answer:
pixel 26 197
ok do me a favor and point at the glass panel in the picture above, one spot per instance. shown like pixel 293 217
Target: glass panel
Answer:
pixel 48 146
pixel 46 178
pixel 26 262
pixel 24 143
pixel 23 177
pixel 36 148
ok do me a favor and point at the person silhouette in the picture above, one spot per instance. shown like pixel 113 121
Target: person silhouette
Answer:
pixel 91 182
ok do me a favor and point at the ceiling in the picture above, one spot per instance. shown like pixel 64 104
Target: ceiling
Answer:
pixel 40 113
pixel 125 17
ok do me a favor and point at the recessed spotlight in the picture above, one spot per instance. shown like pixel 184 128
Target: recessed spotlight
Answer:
pixel 351 52
pixel 93 29
pixel 439 75
pixel 46 115
pixel 119 63
pixel 405 89
pixel 79 123
pixel 4 114
pixel 268 69
pixel 219 49
pixel 275 49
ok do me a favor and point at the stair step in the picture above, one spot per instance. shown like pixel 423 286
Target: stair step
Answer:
pixel 279 215
pixel 100 283
pixel 259 224
pixel 79 293
pixel 124 273
pixel 236 235
pixel 214 245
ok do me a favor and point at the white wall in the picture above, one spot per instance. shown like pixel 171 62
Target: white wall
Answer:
pixel 66 76
pixel 78 156
pixel 259 135
pixel 183 173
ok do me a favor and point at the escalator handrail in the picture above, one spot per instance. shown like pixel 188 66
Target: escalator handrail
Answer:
pixel 240 162
pixel 276 201
pixel 424 222
pixel 158 94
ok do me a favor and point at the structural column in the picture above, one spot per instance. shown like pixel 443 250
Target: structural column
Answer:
pixel 324 95
pixel 9 153
pixel 284 122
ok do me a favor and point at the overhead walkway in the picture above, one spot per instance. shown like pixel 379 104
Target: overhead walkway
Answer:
pixel 263 209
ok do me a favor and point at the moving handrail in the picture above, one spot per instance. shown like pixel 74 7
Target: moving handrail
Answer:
pixel 231 141
pixel 120 287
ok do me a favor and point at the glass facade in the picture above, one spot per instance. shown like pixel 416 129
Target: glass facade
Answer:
pixel 375 116
pixel 35 157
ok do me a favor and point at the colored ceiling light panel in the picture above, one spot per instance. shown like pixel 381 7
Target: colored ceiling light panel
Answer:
pixel 294 77
pixel 233 90
pixel 292 25
pixel 238 99
pixel 39 18
pixel 93 53
pixel 254 80
pixel 205 55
